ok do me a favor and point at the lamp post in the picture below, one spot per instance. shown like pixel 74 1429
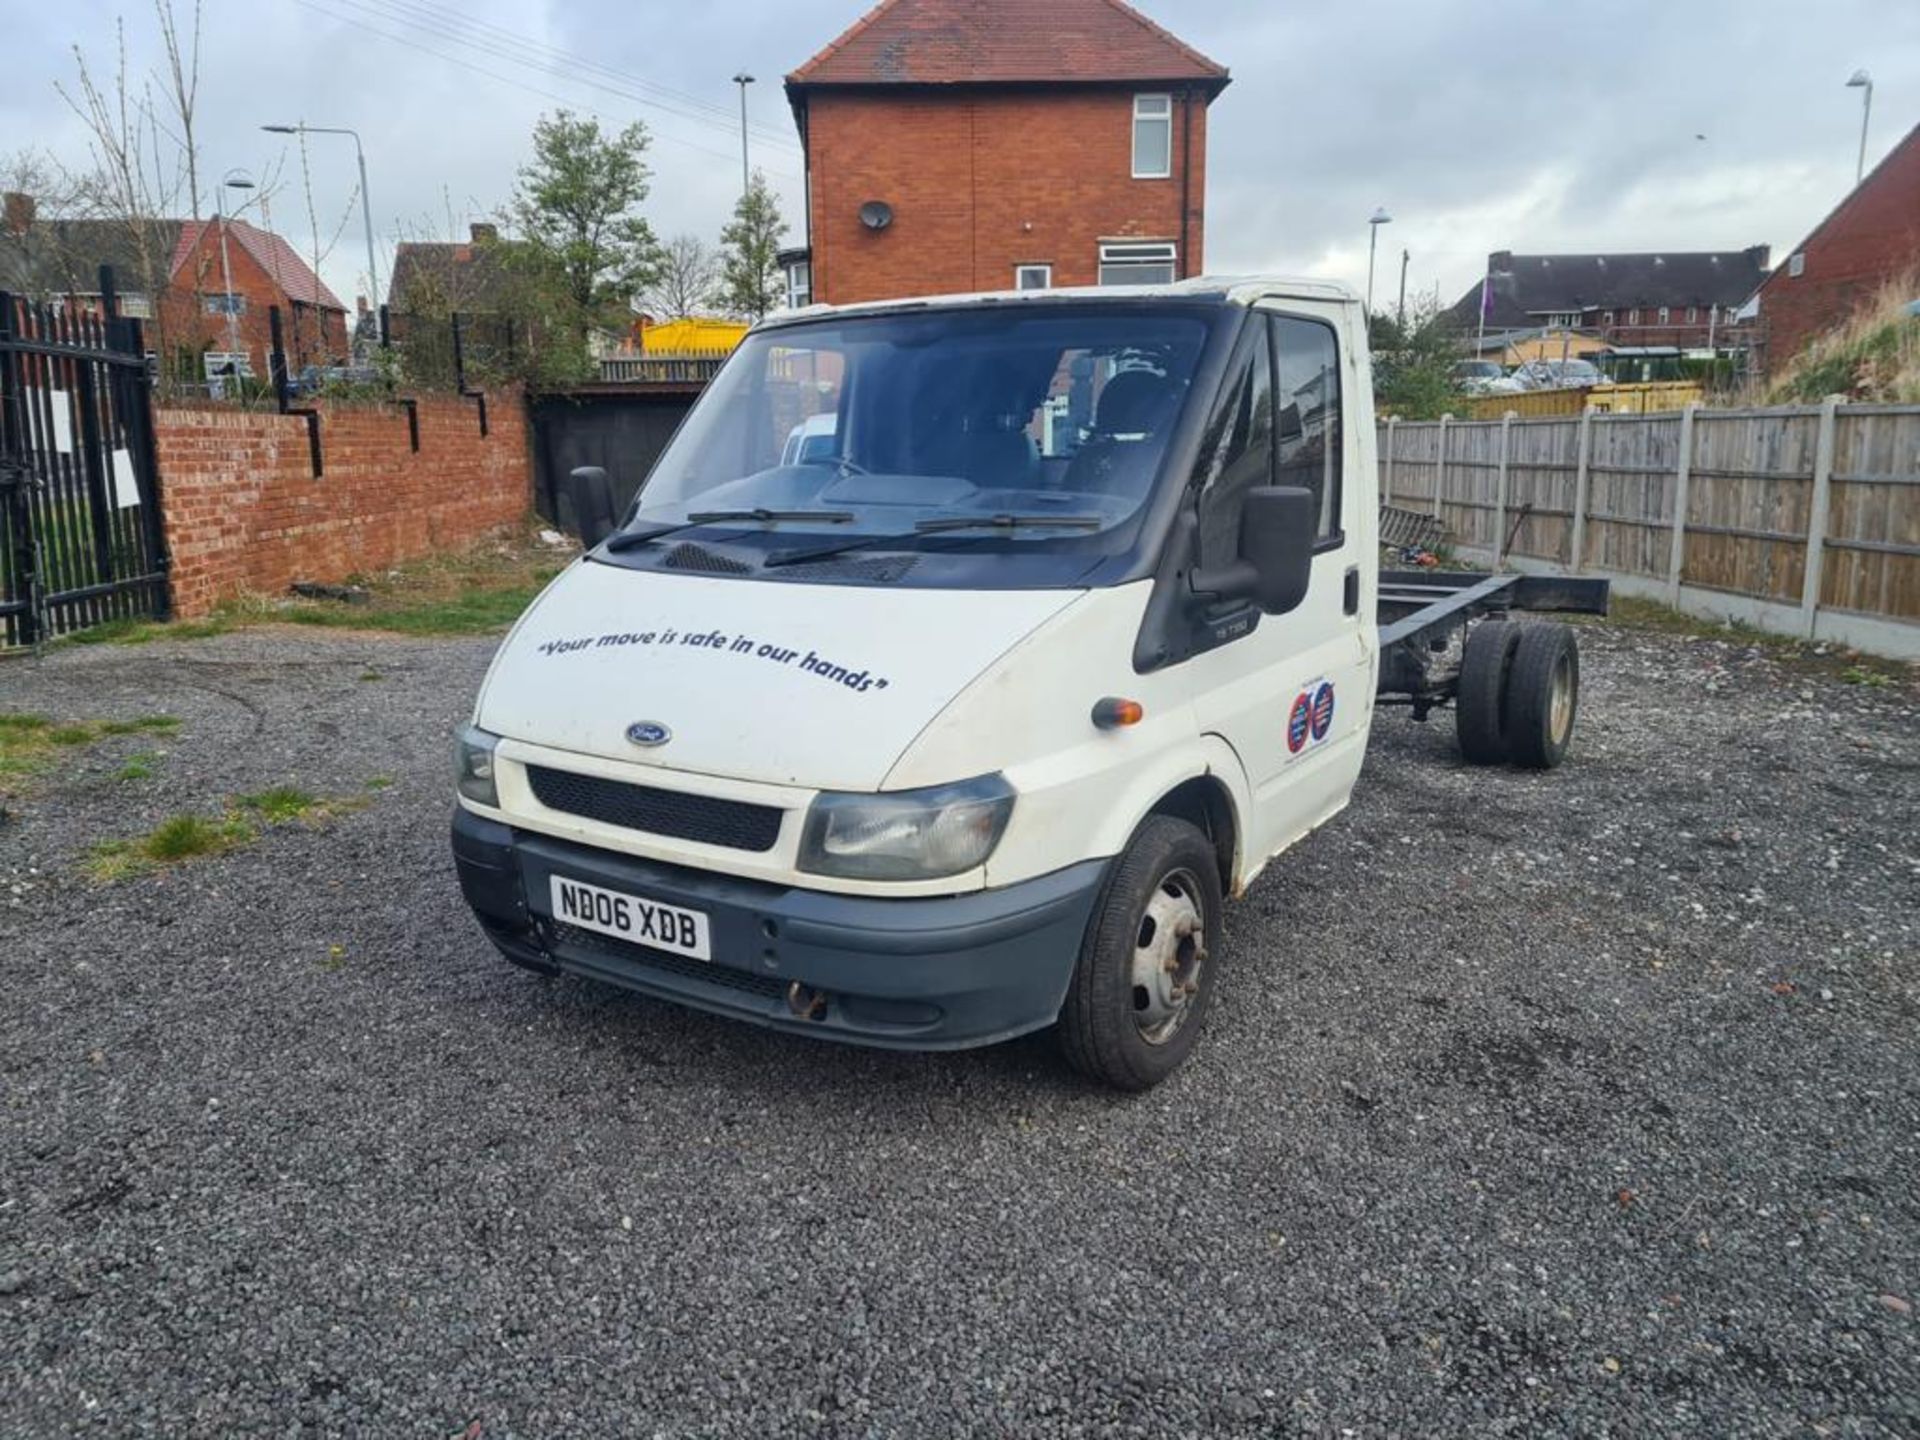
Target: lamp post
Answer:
pixel 743 80
pixel 366 200
pixel 1379 218
pixel 236 180
pixel 1862 81
pixel 1405 256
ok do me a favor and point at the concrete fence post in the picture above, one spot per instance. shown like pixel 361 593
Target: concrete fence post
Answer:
pixel 1817 516
pixel 1386 478
pixel 1682 478
pixel 1583 455
pixel 1500 491
pixel 1440 466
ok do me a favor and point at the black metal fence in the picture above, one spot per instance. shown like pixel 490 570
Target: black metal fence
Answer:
pixel 81 540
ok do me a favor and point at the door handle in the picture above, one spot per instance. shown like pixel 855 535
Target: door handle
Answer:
pixel 1350 598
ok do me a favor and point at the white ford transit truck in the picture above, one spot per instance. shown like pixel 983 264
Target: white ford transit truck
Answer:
pixel 959 657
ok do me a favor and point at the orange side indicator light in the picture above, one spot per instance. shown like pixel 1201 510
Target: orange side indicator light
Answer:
pixel 1114 712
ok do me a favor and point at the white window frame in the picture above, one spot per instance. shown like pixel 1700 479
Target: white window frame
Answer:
pixel 1020 273
pixel 1139 252
pixel 1666 315
pixel 799 296
pixel 1797 264
pixel 1148 110
pixel 1633 317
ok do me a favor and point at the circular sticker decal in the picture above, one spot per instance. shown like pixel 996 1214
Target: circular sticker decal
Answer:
pixel 1323 711
pixel 1299 723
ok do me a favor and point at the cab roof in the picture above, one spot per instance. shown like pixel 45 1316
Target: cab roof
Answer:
pixel 1215 289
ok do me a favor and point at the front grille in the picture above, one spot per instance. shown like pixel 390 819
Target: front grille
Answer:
pixel 767 987
pixel 734 824
pixel 688 556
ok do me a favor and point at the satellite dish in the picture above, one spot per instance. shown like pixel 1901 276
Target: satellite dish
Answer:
pixel 876 214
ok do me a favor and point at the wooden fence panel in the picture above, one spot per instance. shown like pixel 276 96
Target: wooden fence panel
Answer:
pixel 1630 485
pixel 1473 471
pixel 1748 498
pixel 1542 463
pixel 1872 562
pixel 1416 465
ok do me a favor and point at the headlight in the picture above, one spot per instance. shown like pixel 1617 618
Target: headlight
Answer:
pixel 907 835
pixel 473 765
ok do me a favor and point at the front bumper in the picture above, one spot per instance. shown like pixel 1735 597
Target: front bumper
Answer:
pixel 940 973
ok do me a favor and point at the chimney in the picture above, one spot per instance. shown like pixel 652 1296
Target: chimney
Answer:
pixel 19 212
pixel 360 304
pixel 1499 262
pixel 483 233
pixel 1761 255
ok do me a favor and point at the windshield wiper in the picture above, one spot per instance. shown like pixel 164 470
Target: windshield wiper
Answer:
pixel 634 539
pixel 932 527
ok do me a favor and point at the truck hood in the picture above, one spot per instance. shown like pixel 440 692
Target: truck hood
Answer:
pixel 792 684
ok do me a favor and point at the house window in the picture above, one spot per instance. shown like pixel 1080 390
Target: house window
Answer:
pixel 799 284
pixel 1563 319
pixel 1607 319
pixel 1693 314
pixel 1665 315
pixel 1033 277
pixel 1633 317
pixel 1144 263
pixel 1797 264
pixel 136 307
pixel 1152 137
pixel 228 304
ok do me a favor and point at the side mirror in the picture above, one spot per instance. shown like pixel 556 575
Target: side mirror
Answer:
pixel 591 494
pixel 1277 525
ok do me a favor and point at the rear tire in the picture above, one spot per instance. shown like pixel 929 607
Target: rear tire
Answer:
pixel 1543 695
pixel 1479 701
pixel 1139 992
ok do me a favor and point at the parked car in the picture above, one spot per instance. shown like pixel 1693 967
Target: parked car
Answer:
pixel 1558 375
pixel 811 441
pixel 1482 377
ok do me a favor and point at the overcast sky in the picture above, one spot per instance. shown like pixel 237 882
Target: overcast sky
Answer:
pixel 1528 125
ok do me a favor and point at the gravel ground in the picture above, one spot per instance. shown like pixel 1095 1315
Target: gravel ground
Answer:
pixel 1582 1103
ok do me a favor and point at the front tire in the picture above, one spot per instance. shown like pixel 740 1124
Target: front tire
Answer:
pixel 1146 971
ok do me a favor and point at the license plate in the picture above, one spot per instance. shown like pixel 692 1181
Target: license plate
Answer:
pixel 628 917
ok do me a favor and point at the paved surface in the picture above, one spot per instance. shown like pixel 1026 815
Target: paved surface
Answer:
pixel 1583 1103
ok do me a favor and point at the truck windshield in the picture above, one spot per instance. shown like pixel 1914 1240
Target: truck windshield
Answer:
pixel 880 424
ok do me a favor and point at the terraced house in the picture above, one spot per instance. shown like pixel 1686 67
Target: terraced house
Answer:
pixel 960 145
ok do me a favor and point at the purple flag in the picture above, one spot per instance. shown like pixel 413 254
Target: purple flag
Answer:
pixel 1486 296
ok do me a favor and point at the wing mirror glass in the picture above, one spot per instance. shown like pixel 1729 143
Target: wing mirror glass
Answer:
pixel 1277 526
pixel 590 493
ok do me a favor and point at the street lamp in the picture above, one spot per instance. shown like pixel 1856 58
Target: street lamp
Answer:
pixel 743 80
pixel 237 181
pixel 366 200
pixel 1862 81
pixel 1379 218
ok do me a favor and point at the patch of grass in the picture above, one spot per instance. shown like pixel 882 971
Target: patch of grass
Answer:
pixel 139 632
pixel 379 782
pixel 193 837
pixel 69 735
pixel 142 725
pixel 138 766
pixel 22 724
pixel 1861 675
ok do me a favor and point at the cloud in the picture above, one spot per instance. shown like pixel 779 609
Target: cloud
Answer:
pixel 1495 124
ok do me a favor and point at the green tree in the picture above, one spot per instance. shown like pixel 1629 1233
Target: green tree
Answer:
pixel 1413 362
pixel 582 249
pixel 750 253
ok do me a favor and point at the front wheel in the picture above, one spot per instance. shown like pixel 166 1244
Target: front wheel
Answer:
pixel 1146 970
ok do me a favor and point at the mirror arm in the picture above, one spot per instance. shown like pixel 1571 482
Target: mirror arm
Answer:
pixel 1237 581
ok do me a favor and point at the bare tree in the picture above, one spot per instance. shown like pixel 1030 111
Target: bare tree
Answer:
pixel 183 89
pixel 689 276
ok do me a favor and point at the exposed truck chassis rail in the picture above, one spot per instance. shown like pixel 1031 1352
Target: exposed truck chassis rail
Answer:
pixel 1424 615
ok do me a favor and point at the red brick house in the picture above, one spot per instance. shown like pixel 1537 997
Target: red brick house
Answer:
pixel 172 274
pixel 960 145
pixel 1871 239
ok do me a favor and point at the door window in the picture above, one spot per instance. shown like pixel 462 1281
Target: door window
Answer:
pixel 1307 430
pixel 1237 453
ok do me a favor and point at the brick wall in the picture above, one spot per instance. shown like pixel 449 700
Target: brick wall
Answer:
pixel 1873 238
pixel 983 180
pixel 244 513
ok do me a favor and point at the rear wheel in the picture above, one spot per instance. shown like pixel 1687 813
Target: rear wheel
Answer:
pixel 1543 695
pixel 1479 702
pixel 1140 990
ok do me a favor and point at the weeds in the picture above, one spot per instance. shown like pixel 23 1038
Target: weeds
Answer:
pixel 139 766
pixel 192 837
pixel 30 744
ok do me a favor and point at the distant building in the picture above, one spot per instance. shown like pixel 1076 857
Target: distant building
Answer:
pixel 435 277
pixel 177 276
pixel 1683 300
pixel 958 145
pixel 1871 239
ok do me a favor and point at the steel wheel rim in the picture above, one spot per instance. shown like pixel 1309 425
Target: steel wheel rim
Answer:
pixel 1560 700
pixel 1169 954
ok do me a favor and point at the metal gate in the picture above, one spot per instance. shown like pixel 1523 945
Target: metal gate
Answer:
pixel 80 535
